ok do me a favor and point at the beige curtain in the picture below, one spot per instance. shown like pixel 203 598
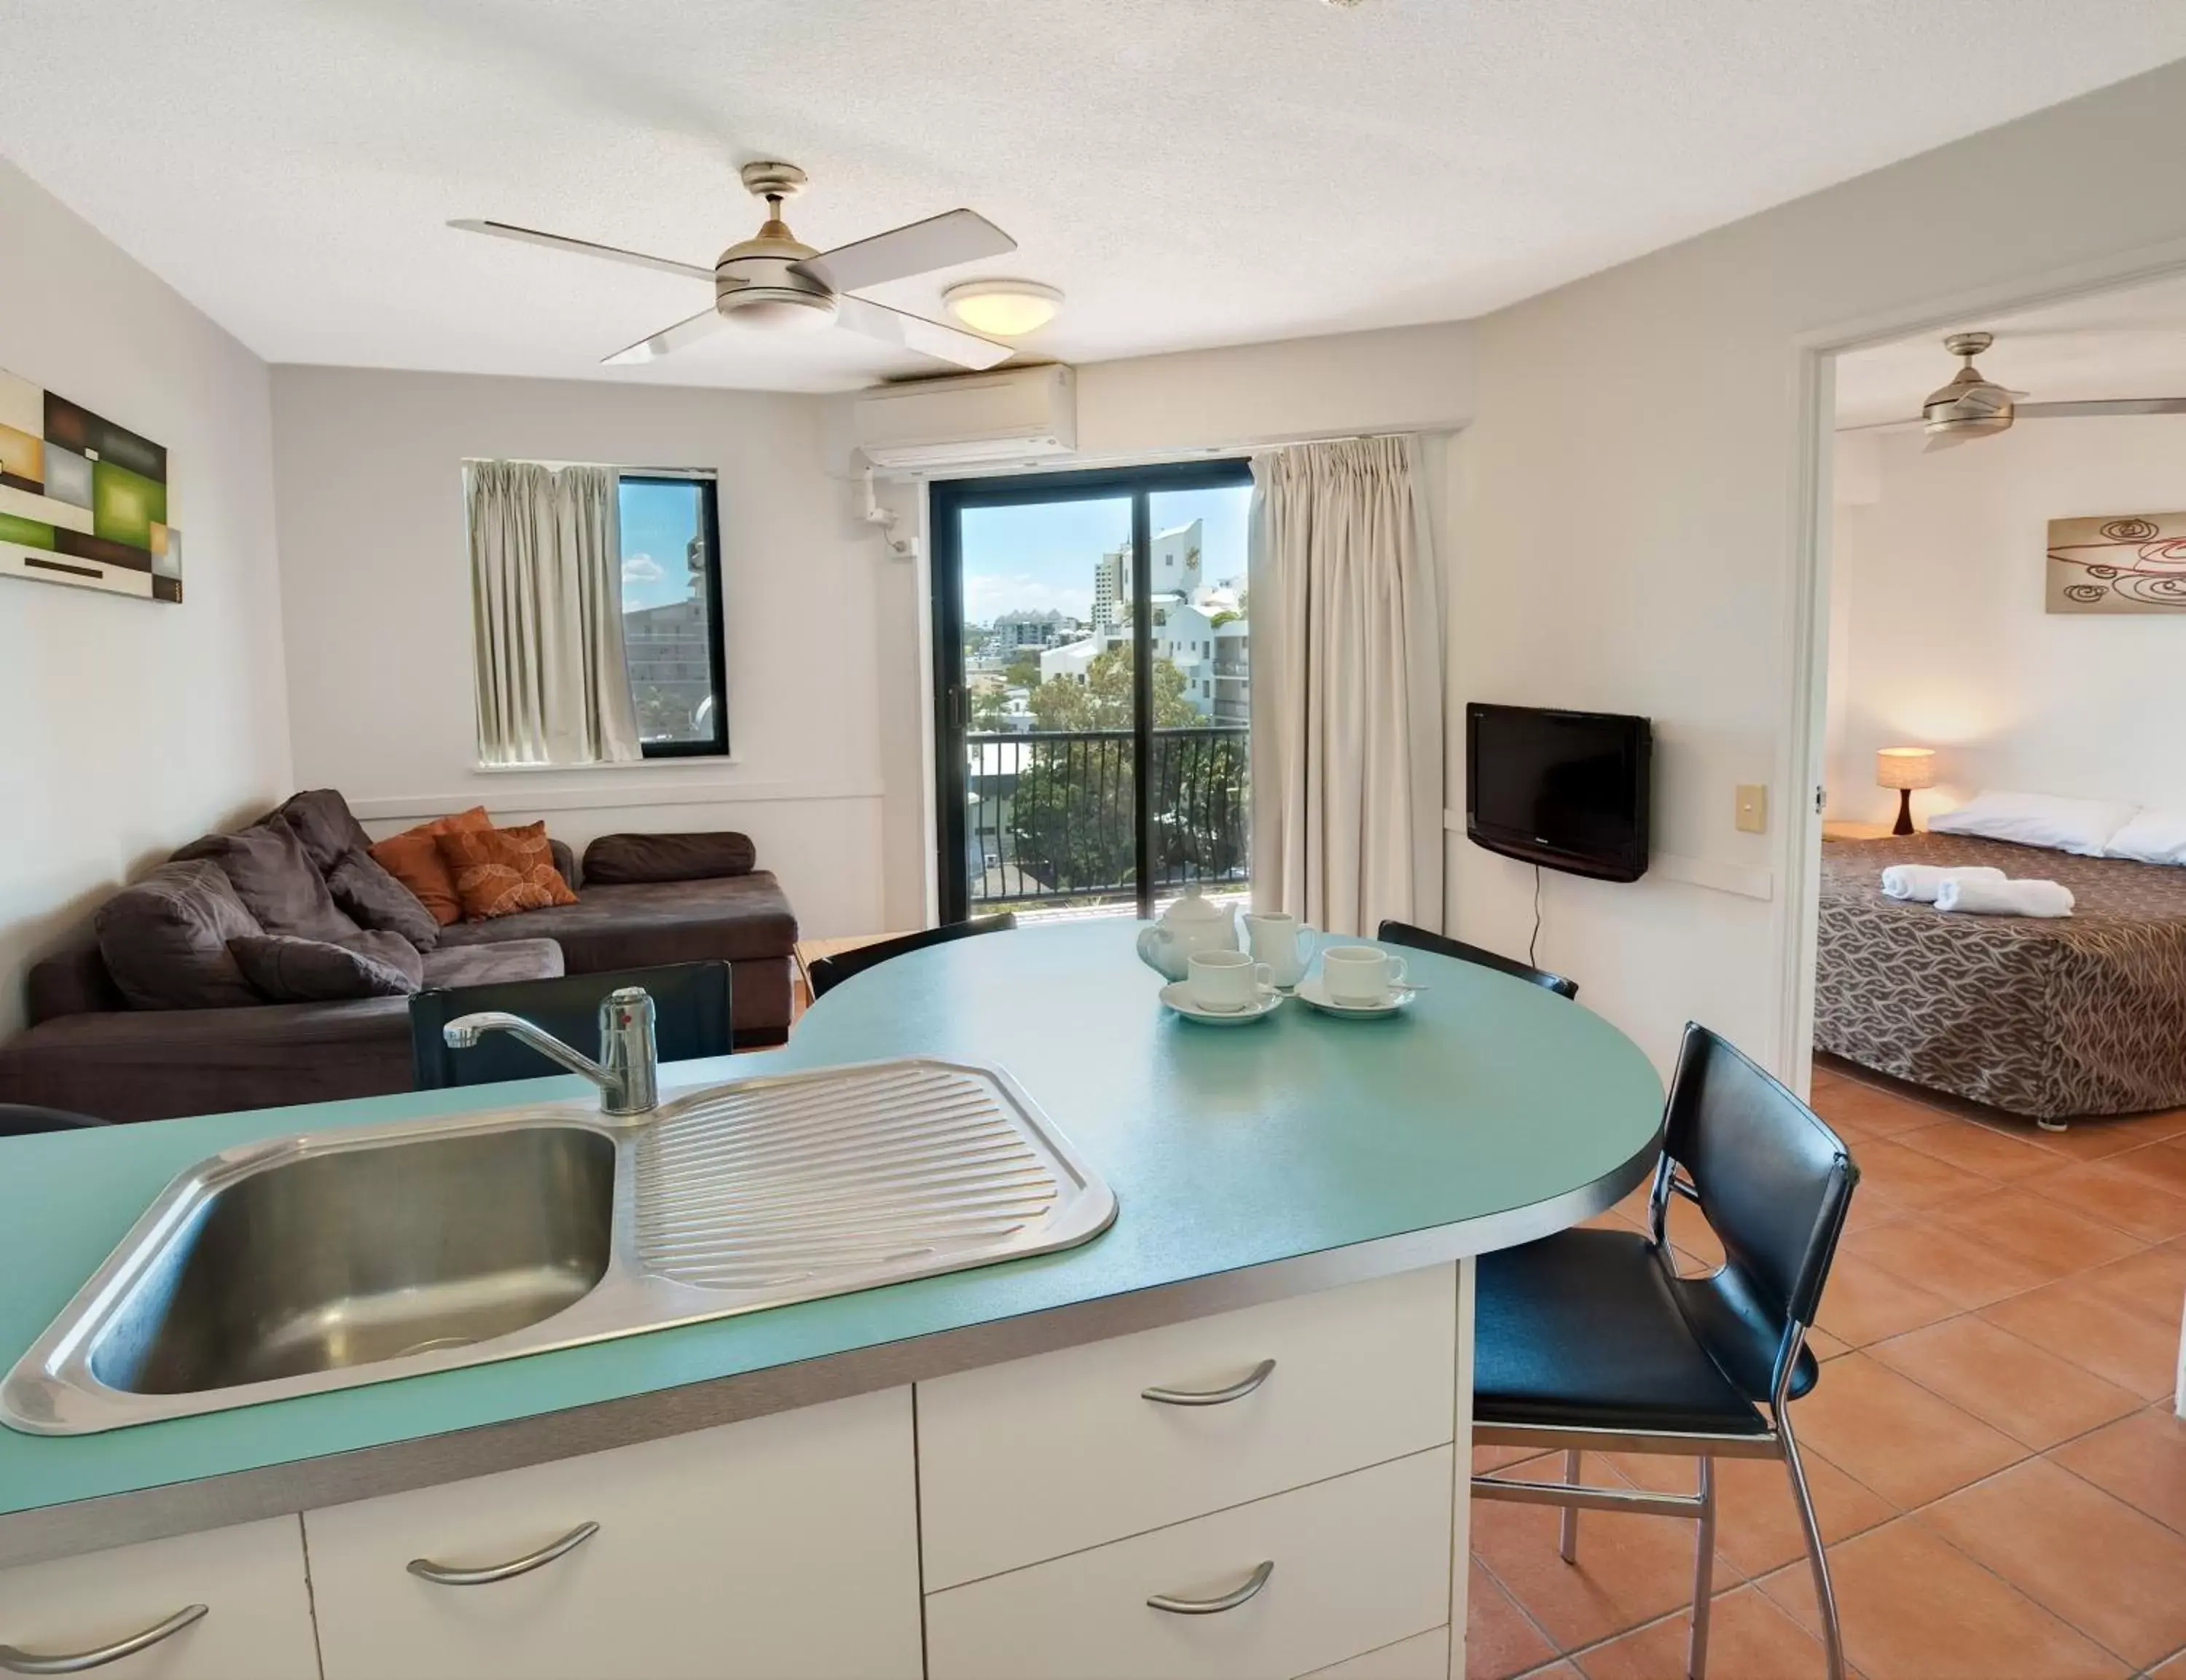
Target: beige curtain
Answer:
pixel 547 612
pixel 1347 687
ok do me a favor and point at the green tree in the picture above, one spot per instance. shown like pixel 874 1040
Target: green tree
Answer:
pixel 1023 673
pixel 1104 701
pixel 1070 814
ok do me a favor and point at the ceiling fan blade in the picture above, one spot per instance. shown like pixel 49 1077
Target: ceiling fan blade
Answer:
pixel 2066 410
pixel 532 236
pixel 668 339
pixel 939 242
pixel 1914 424
pixel 915 332
pixel 1950 440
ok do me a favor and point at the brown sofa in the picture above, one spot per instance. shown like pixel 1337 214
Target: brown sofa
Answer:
pixel 86 1049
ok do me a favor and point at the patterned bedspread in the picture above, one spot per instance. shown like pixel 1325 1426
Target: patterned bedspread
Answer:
pixel 2085 1014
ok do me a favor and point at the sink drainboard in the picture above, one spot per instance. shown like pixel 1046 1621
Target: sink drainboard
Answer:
pixel 782 1182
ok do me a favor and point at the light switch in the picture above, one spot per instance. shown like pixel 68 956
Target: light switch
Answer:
pixel 1753 808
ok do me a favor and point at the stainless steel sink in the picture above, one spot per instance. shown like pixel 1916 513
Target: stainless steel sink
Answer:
pixel 331 1259
pixel 326 1261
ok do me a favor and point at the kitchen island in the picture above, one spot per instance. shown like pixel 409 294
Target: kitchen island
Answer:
pixel 967 1453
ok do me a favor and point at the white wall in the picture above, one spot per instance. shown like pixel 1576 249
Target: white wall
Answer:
pixel 377 608
pixel 1938 586
pixel 132 725
pixel 1630 506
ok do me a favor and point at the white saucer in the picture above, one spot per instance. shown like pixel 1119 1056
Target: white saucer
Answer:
pixel 1313 990
pixel 1177 994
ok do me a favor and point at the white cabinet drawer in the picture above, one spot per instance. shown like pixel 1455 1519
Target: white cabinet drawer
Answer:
pixel 1051 1454
pixel 257 1624
pixel 775 1549
pixel 1360 1562
pixel 1424 1657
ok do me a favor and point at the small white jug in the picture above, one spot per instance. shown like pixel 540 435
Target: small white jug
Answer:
pixel 1283 943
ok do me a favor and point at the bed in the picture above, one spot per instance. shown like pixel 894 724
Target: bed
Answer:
pixel 2080 1016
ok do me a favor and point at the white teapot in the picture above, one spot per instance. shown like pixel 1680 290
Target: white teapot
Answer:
pixel 1187 927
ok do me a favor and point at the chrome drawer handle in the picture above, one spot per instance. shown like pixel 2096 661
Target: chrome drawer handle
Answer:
pixel 24 1662
pixel 1228 1601
pixel 1212 1397
pixel 443 1575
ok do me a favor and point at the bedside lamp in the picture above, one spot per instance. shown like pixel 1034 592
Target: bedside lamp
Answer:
pixel 1905 768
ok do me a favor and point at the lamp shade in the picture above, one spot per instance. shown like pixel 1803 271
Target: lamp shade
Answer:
pixel 1905 767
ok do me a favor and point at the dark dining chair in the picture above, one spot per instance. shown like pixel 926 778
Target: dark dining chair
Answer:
pixel 828 972
pixel 1589 1340
pixel 690 1019
pixel 1404 933
pixel 22 1119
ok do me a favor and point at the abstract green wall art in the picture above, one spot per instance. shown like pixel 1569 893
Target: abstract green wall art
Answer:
pixel 82 500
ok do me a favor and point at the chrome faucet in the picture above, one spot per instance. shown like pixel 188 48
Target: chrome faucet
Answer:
pixel 628 1072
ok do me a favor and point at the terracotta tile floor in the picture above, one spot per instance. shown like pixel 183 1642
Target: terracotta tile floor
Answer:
pixel 1997 1470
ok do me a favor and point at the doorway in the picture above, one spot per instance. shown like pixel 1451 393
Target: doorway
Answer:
pixel 1092 687
pixel 1994 567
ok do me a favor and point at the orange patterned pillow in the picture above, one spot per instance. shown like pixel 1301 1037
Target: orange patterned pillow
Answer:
pixel 499 871
pixel 412 858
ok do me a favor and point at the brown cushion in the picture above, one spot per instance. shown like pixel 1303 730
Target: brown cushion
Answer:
pixel 741 919
pixel 373 899
pixel 275 879
pixel 618 859
pixel 324 823
pixel 72 981
pixel 148 1064
pixel 413 858
pixel 286 969
pixel 165 939
pixel 502 872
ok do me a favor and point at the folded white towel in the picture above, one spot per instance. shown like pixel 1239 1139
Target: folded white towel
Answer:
pixel 2005 898
pixel 1918 882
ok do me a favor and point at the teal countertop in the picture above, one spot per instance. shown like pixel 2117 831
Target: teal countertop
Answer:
pixel 1226 1147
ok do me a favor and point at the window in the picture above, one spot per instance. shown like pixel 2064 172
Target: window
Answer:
pixel 1121 779
pixel 671 613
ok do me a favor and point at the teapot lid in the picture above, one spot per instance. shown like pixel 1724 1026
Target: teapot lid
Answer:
pixel 1193 908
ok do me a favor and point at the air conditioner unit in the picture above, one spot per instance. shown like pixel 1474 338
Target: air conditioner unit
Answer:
pixel 931 426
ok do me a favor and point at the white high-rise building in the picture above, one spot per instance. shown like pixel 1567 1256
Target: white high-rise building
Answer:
pixel 1175 565
pixel 1112 588
pixel 1185 637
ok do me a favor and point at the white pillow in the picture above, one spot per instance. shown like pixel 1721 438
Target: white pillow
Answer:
pixel 2152 837
pixel 2083 826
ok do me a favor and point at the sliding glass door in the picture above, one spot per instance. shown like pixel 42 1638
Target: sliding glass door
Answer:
pixel 1092 685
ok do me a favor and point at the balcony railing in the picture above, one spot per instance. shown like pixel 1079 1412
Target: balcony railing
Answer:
pixel 1051 817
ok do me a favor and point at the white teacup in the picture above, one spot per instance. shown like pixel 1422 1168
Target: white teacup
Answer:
pixel 1283 943
pixel 1225 981
pixel 1360 974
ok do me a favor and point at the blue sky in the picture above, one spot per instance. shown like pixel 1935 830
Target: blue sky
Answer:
pixel 658 521
pixel 1041 556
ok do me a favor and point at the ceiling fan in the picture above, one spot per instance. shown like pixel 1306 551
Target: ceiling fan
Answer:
pixel 1973 406
pixel 774 282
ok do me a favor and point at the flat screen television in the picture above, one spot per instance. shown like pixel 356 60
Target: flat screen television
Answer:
pixel 1566 790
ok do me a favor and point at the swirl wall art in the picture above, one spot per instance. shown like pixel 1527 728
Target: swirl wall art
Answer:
pixel 2120 563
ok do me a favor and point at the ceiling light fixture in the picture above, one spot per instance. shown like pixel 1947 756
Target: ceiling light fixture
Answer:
pixel 1004 308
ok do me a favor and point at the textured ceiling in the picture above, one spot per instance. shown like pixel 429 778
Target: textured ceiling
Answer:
pixel 1192 173
pixel 2130 343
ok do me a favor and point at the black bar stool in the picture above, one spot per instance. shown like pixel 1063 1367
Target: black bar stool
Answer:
pixel 830 971
pixel 690 1019
pixel 1404 933
pixel 1589 1340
